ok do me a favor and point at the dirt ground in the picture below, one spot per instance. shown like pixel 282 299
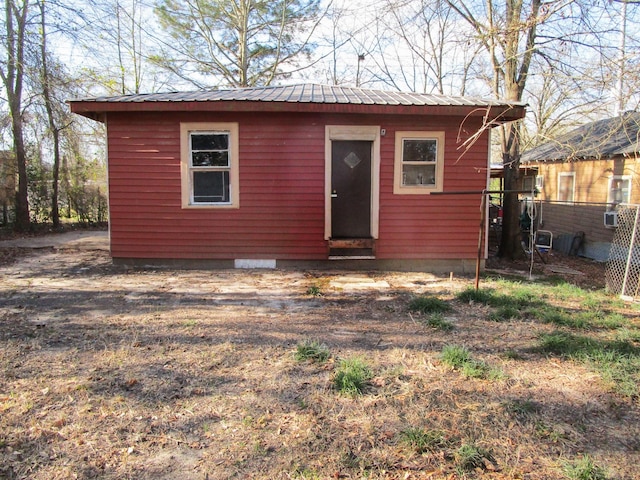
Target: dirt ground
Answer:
pixel 109 372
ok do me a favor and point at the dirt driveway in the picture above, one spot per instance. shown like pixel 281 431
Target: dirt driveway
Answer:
pixel 54 286
pixel 109 372
pixel 77 240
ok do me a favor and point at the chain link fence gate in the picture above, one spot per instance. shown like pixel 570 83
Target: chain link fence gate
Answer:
pixel 623 268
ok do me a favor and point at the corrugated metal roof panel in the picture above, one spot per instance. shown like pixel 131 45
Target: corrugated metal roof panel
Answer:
pixel 600 139
pixel 304 93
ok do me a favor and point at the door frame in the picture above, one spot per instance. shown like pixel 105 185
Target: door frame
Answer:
pixel 369 133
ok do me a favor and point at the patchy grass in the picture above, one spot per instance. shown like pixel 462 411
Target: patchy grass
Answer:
pixel 471 457
pixel 460 359
pixel 521 409
pixel 422 440
pixel 352 376
pixel 618 361
pixel 584 469
pixel 471 295
pixel 113 373
pixel 312 350
pixel 504 313
pixel 455 356
pixel 437 321
pixel 429 304
pixel 315 291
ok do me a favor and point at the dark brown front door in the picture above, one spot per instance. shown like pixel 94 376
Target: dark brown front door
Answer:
pixel 351 189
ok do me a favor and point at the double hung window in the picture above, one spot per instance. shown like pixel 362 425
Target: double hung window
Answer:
pixel 619 189
pixel 566 186
pixel 209 165
pixel 419 162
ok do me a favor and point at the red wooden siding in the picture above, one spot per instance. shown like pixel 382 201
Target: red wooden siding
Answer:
pixel 282 170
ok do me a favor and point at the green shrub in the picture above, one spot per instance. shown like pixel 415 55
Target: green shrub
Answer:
pixel 518 297
pixel 611 321
pixel 512 354
pixel 565 344
pixel 556 316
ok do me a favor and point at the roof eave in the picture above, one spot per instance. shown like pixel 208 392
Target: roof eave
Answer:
pixel 495 114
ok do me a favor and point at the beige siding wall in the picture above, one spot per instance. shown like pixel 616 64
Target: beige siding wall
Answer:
pixel 591 178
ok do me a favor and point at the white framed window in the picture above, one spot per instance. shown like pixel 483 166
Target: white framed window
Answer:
pixel 209 165
pixel 539 182
pixel 619 189
pixel 566 186
pixel 419 162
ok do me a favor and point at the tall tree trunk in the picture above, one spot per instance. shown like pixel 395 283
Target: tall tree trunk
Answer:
pixel 515 38
pixel 510 241
pixel 23 221
pixel 13 78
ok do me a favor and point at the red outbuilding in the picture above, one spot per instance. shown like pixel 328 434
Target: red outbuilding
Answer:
pixel 300 175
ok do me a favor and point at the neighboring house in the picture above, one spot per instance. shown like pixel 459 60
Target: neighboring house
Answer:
pixel 582 177
pixel 297 175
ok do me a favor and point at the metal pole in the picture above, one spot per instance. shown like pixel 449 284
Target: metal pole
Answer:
pixel 484 194
pixel 480 237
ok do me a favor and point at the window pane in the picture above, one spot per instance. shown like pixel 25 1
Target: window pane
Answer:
pixel 210 159
pixel 419 150
pixel 209 141
pixel 625 188
pixel 620 188
pixel 565 186
pixel 211 187
pixel 419 175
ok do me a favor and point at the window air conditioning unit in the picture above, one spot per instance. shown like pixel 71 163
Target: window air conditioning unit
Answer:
pixel 611 219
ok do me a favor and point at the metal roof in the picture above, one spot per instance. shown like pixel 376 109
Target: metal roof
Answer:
pixel 306 93
pixel 596 140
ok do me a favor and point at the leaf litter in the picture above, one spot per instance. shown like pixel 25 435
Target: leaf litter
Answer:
pixel 110 372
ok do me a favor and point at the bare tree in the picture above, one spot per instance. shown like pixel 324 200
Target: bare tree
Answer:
pixel 420 50
pixel 337 51
pixel 509 31
pixel 119 61
pixel 52 85
pixel 12 71
pixel 54 127
pixel 346 47
pixel 128 39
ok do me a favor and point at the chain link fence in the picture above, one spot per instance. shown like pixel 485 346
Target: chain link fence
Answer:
pixel 623 267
